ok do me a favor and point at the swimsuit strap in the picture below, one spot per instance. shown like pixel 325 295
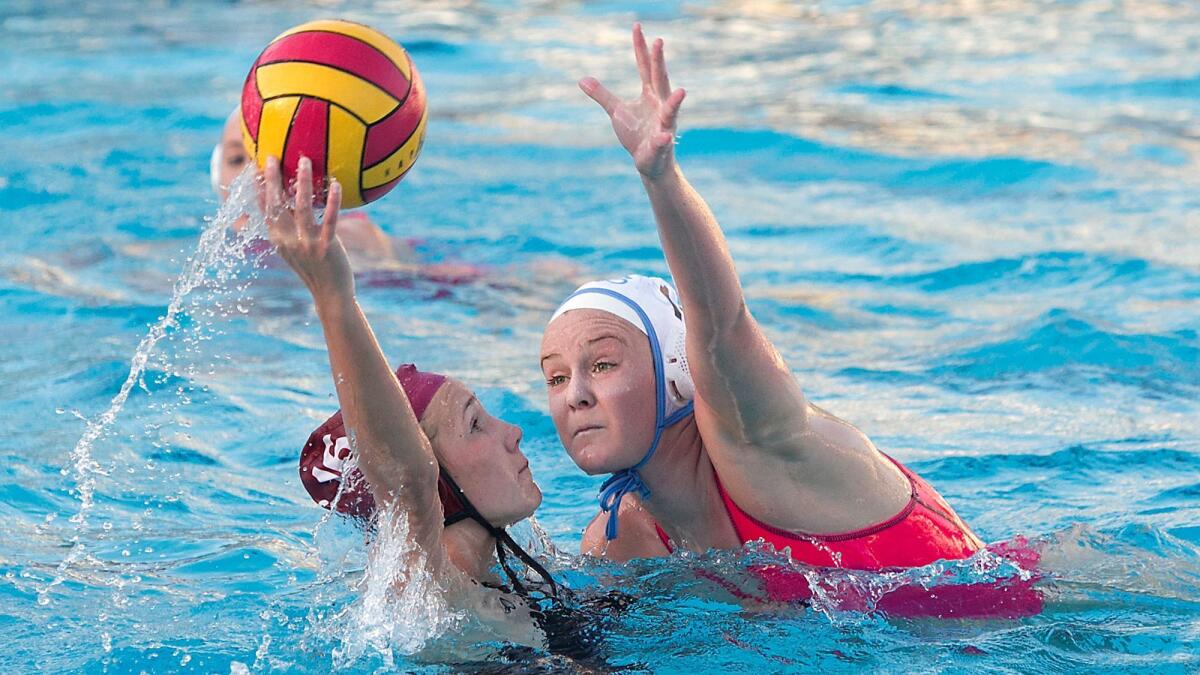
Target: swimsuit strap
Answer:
pixel 743 521
pixel 662 536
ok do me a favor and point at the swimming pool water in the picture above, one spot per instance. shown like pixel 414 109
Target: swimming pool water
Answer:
pixel 973 229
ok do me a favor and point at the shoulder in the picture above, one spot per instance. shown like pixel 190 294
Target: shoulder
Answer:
pixel 638 537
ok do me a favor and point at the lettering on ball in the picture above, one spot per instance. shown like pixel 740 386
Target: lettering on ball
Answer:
pixel 399 165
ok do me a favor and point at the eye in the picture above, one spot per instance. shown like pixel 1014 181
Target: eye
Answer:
pixel 237 160
pixel 475 424
pixel 602 366
pixel 555 380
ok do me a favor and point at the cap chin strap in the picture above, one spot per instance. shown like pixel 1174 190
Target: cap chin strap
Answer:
pixel 629 480
pixel 503 541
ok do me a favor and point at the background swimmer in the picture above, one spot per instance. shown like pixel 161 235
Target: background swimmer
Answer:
pixel 371 250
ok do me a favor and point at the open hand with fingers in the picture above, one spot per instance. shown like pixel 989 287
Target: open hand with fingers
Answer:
pixel 312 249
pixel 644 125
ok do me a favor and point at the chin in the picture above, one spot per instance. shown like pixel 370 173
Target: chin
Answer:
pixel 587 463
pixel 531 506
pixel 596 461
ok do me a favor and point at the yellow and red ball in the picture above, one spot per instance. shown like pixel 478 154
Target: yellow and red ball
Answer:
pixel 342 94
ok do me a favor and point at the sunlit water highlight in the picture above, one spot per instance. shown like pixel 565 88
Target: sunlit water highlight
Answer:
pixel 970 227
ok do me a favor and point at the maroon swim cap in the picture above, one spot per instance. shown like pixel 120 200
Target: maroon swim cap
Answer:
pixel 327 448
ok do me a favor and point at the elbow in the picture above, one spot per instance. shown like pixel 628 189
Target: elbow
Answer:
pixel 395 472
pixel 725 328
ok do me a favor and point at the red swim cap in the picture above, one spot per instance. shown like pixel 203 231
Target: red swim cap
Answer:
pixel 325 453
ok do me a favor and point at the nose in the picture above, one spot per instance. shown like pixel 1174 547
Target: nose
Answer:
pixel 579 393
pixel 515 434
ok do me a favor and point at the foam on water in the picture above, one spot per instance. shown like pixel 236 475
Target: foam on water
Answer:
pixel 402 606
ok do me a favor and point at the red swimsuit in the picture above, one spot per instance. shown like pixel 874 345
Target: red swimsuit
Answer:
pixel 926 530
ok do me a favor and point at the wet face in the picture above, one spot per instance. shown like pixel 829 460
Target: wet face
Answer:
pixel 233 153
pixel 600 380
pixel 482 454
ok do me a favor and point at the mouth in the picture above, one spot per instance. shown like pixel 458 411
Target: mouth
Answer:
pixel 586 430
pixel 524 469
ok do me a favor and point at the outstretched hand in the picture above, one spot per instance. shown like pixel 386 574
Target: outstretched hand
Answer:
pixel 312 249
pixel 645 125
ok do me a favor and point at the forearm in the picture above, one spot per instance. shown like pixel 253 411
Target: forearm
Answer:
pixel 392 449
pixel 696 253
pixel 740 374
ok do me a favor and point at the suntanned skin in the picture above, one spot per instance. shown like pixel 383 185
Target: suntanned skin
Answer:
pixel 783 460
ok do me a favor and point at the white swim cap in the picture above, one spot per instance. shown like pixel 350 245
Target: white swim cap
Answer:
pixel 218 154
pixel 661 319
pixel 214 168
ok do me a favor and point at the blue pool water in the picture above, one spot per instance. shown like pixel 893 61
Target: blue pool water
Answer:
pixel 973 229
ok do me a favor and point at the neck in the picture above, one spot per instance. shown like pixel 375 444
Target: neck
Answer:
pixel 472 549
pixel 671 474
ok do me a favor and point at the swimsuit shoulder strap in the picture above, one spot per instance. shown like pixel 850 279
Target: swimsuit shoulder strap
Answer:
pixel 662 536
pixel 748 528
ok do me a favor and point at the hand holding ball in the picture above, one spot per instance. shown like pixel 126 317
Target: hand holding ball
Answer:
pixel 342 94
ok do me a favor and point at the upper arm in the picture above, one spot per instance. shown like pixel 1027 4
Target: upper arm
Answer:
pixel 397 529
pixel 406 490
pixel 745 390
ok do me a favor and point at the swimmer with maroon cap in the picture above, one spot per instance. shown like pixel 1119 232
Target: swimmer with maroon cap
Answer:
pixel 413 445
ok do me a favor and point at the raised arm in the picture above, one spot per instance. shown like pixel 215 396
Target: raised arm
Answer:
pixel 392 450
pixel 780 458
pixel 740 376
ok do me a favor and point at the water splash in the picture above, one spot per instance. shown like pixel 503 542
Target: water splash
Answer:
pixel 216 261
pixel 402 605
pixel 396 604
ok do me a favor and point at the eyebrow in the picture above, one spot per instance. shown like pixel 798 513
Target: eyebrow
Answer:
pixel 598 338
pixel 607 336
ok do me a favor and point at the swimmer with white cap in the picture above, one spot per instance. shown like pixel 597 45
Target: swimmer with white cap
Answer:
pixel 707 435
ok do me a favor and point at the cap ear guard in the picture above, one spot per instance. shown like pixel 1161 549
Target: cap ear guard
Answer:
pixel 214 168
pixel 680 386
